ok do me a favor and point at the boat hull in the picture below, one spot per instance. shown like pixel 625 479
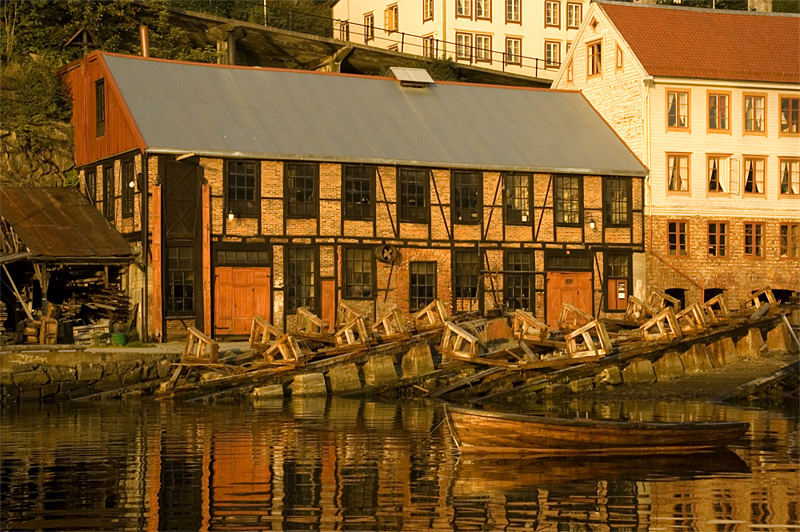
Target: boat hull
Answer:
pixel 502 433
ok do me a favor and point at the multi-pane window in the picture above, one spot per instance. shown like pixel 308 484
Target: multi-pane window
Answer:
pixel 180 279
pixel 369 27
pixel 91 185
pixel 568 195
pixel 464 8
pixel 518 280
pixel 242 188
pixel 301 190
pixel 570 74
pixel 677 172
pixel 678 109
pixel 552 13
pixel 754 113
pixel 718 173
pixel 574 15
pixel 790 121
pixel 617 201
pixel 358 182
pixel 427 10
pixel 128 186
pixel 464 46
pixel 513 13
pixel 717 239
pixel 100 107
pixel 466 273
pixel 594 58
pixel 517 198
pixel 109 188
pixel 754 175
pixel 300 283
pixel 790 176
pixel 790 241
pixel 754 240
pixel 344 30
pixel 429 46
pixel 413 193
pixel 552 54
pixel 483 9
pixel 620 57
pixel 718 112
pixel 466 197
pixel 483 48
pixel 678 237
pixel 513 51
pixel 359 273
pixel 390 18
pixel 421 284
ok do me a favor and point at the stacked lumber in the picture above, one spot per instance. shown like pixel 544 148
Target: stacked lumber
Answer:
pixel 96 333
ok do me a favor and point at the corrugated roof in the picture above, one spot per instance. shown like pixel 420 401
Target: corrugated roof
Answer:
pixel 60 223
pixel 281 114
pixel 710 44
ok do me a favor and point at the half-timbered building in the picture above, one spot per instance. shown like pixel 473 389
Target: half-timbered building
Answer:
pixel 259 191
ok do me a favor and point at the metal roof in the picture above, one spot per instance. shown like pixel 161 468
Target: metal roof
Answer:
pixel 282 114
pixel 59 224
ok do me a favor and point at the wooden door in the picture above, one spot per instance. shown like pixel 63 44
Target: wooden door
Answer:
pixel 574 288
pixel 240 294
pixel 617 294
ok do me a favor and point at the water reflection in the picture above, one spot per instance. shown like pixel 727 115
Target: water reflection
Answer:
pixel 344 464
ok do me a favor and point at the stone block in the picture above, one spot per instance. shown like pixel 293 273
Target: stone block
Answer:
pixel 61 373
pixel 344 378
pixel 309 384
pixel 90 371
pixel 164 368
pixel 379 370
pixel 581 385
pixel 133 376
pixel 639 371
pixel 722 352
pixel 64 387
pixel 273 391
pixel 668 367
pixel 780 340
pixel 695 360
pixel 48 390
pixel 749 346
pixel 34 377
pixel 110 368
pixel 110 382
pixel 19 367
pixel 149 371
pixel 418 361
pixel 610 376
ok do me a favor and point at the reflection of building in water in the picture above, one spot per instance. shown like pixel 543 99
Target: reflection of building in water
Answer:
pixel 347 464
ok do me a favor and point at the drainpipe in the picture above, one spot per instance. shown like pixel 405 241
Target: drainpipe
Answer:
pixel 144 36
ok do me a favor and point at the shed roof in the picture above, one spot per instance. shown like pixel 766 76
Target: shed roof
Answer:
pixel 283 114
pixel 59 224
pixel 710 44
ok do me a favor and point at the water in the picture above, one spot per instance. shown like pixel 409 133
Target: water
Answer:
pixel 343 464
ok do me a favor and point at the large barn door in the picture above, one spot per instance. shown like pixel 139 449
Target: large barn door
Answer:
pixel 574 288
pixel 240 294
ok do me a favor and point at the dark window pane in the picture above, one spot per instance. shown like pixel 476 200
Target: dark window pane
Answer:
pixel 518 287
pixel 127 190
pixel 412 193
pixel 617 201
pixel 568 200
pixel 91 186
pixel 109 189
pixel 466 273
pixel 300 278
pixel 359 273
pixel 617 266
pixel 359 192
pixel 180 279
pixel 421 284
pixel 466 197
pixel 517 192
pixel 301 193
pixel 242 193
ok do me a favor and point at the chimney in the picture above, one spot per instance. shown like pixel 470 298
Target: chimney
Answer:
pixel 145 38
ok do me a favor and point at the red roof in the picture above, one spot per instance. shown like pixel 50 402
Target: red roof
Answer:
pixel 709 44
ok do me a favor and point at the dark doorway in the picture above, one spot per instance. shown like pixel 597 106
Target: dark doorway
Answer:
pixel 709 293
pixel 677 293
pixel 783 296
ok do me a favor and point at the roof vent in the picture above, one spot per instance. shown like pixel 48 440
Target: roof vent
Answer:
pixel 412 77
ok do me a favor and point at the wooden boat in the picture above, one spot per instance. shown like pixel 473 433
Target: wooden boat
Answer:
pixel 502 433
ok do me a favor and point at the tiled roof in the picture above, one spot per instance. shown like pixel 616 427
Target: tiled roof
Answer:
pixel 708 44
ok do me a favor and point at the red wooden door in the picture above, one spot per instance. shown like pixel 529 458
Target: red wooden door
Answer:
pixel 574 288
pixel 240 294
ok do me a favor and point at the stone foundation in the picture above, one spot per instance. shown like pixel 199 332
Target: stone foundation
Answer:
pixel 58 376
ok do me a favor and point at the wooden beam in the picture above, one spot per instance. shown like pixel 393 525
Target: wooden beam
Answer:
pixel 16 293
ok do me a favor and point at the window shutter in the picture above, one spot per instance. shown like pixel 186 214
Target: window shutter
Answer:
pixel 733 163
